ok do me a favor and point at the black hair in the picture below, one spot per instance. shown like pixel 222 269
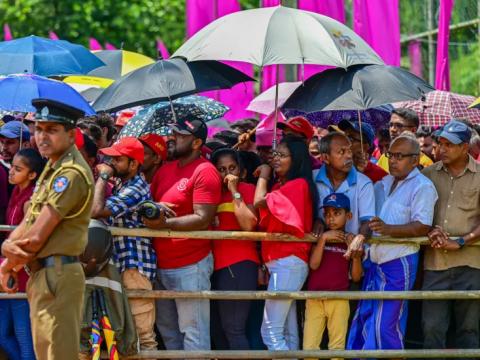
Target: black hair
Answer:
pixel 94 129
pixel 424 131
pixel 251 161
pixel 217 154
pixel 326 141
pixel 229 137
pixel 33 160
pixel 89 146
pixel 383 133
pixel 104 120
pixel 301 167
pixel 409 115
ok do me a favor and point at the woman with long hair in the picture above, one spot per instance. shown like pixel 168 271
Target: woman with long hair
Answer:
pixel 235 262
pixel 290 207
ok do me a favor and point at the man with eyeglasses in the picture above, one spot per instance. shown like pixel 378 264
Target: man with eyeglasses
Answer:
pixel 404 206
pixel 450 264
pixel 401 120
pixel 362 136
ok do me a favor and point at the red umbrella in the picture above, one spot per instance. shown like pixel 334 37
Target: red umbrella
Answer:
pixel 438 107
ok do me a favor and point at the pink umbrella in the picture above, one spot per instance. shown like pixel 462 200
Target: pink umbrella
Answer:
pixel 265 102
pixel 438 107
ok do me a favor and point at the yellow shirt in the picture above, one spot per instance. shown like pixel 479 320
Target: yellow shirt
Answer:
pixel 425 161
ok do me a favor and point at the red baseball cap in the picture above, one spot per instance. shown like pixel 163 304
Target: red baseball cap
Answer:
pixel 300 125
pixel 156 143
pixel 127 146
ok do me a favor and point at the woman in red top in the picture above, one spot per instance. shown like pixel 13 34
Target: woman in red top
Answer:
pixel 289 208
pixel 15 334
pixel 235 262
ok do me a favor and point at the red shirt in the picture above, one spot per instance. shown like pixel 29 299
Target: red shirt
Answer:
pixel 289 210
pixel 195 183
pixel 374 172
pixel 228 252
pixel 332 274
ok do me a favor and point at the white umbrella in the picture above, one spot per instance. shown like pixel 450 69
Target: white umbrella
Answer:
pixel 265 102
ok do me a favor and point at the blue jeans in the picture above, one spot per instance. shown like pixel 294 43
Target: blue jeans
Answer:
pixel 280 327
pixel 15 333
pixel 185 323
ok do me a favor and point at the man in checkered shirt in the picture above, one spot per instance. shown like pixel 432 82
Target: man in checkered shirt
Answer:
pixel 134 256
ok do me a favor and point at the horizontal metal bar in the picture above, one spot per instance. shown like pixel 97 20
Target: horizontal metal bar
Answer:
pixel 320 354
pixel 294 295
pixel 407 38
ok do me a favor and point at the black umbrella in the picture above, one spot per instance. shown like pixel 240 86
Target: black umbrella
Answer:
pixel 359 87
pixel 167 80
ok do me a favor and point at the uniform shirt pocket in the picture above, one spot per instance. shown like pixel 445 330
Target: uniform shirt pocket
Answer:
pixel 469 199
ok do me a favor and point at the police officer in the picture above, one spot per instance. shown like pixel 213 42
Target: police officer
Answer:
pixel 53 234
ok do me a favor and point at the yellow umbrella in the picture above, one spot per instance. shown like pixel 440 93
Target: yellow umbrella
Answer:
pixel 475 104
pixel 119 63
pixel 88 81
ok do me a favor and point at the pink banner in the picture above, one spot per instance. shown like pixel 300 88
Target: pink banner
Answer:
pixel 378 23
pixel 415 55
pixel 109 46
pixel 199 14
pixel 331 8
pixel 7 34
pixel 442 72
pixel 93 44
pixel 162 50
pixel 53 36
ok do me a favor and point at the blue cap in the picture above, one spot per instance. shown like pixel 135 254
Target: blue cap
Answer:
pixel 456 132
pixel 367 130
pixel 337 200
pixel 13 130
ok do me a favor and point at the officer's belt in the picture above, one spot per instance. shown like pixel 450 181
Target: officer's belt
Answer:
pixel 49 261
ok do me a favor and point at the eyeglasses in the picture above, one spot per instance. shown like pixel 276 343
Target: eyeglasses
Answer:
pixel 398 156
pixel 398 125
pixel 280 155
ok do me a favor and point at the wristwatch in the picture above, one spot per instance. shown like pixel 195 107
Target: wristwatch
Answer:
pixel 460 241
pixel 105 176
pixel 237 196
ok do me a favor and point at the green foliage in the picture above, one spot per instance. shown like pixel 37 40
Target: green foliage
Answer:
pixel 465 72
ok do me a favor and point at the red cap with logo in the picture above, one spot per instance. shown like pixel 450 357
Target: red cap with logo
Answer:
pixel 156 143
pixel 128 146
pixel 300 125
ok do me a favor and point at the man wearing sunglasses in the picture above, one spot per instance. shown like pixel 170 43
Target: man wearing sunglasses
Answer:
pixel 401 120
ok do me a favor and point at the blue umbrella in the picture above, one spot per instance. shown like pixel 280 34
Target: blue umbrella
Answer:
pixel 17 92
pixel 37 55
pixel 155 118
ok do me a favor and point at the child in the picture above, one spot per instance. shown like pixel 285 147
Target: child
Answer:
pixel 15 335
pixel 330 268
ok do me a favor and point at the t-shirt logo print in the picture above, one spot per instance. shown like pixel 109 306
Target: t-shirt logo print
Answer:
pixel 182 184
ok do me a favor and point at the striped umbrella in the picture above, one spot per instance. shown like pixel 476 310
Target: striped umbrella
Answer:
pixel 108 332
pixel 438 107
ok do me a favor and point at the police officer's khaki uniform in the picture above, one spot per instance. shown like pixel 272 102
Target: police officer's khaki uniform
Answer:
pixel 55 293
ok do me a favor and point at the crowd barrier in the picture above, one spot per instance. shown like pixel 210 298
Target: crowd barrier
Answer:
pixel 295 295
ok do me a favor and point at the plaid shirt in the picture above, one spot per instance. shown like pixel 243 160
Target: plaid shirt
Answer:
pixel 131 252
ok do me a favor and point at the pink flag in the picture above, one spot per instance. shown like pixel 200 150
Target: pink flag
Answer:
pixel 378 23
pixel 442 72
pixel 162 49
pixel 331 8
pixel 109 46
pixel 93 44
pixel 199 14
pixel 415 55
pixel 53 36
pixel 7 34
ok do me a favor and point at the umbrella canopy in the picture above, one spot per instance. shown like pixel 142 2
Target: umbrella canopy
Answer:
pixel 154 118
pixel 18 91
pixel 438 107
pixel 91 94
pixel 88 81
pixel 166 80
pixel 46 57
pixel 265 102
pixel 475 104
pixel 279 35
pixel 119 63
pixel 360 87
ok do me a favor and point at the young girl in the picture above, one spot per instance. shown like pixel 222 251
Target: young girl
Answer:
pixel 236 262
pixel 15 335
pixel 289 208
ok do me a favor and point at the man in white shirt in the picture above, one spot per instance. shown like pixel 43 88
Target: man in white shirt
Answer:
pixel 404 202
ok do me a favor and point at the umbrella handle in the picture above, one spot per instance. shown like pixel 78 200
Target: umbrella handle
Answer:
pixel 249 133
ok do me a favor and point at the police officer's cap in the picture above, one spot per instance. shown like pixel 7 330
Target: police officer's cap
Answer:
pixel 55 111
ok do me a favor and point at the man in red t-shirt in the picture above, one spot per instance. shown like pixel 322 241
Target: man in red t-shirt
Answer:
pixel 191 187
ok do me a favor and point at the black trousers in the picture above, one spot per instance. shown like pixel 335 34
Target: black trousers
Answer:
pixel 229 317
pixel 436 314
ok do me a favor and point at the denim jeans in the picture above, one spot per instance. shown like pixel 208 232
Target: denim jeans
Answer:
pixel 185 323
pixel 280 327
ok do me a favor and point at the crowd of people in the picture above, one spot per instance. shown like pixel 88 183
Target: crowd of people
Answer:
pixel 345 185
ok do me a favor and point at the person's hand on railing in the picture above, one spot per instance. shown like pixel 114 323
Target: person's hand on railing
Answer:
pixel 158 223
pixel 378 225
pixel 440 239
pixel 318 228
